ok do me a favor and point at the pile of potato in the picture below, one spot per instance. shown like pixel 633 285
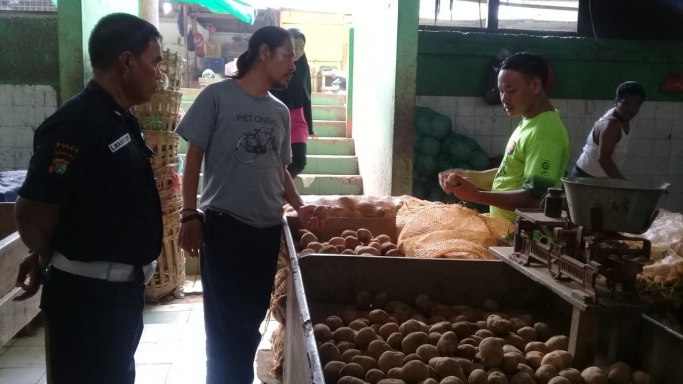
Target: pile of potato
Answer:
pixel 389 342
pixel 360 242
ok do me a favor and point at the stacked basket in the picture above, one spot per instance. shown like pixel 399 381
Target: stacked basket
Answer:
pixel 158 119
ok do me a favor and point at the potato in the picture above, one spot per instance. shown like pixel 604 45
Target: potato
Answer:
pixel 556 360
pixel 302 232
pixel 473 327
pixel 315 246
pixel 466 365
pixel 395 340
pixel 594 375
pixel 466 351
pixel 640 377
pixel 357 325
pixel 429 381
pixel 478 376
pixel 490 371
pixel 469 341
pixel 351 242
pixel 331 371
pixel 374 376
pixel 421 319
pixel 394 253
pixel 515 341
pixel 348 355
pixel 498 325
pixel 389 360
pixel 461 330
pixel 481 324
pixel 308 238
pixel 557 343
pixel 340 249
pixel 477 339
pixel 491 351
pixel 410 326
pixel 364 337
pixel 516 324
pixel 427 352
pixel 441 327
pixel 507 348
pixel 388 246
pixel 424 327
pixel 510 363
pixel 528 334
pixel 411 357
pixel 380 300
pixel 448 344
pixel 573 375
pixel 377 348
pixel 354 370
pixel 567 357
pixel 349 252
pixel 329 250
pixel 498 378
pixel 387 329
pixel 522 378
pixel 559 380
pixel 348 233
pixel 322 333
pixel 383 239
pixel 366 362
pixel 413 341
pixel 336 241
pixel 376 327
pixel 484 333
pixel 378 316
pixel 534 359
pixel 307 251
pixel 328 352
pixel 415 371
pixel 543 331
pixel 323 213
pixel 451 380
pixel 345 346
pixel 619 373
pixel 525 368
pixel 369 250
pixel 434 338
pixel 391 381
pixel 350 380
pixel 536 346
pixel 449 367
pixel 544 373
pixel 364 235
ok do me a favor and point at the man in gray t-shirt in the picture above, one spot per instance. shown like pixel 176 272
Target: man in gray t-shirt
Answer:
pixel 242 135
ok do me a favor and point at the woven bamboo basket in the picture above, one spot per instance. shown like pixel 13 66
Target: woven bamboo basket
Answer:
pixel 160 121
pixel 165 146
pixel 169 206
pixel 172 65
pixel 170 272
pixel 161 113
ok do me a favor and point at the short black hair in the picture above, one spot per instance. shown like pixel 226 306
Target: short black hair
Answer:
pixel 117 33
pixel 630 88
pixel 297 34
pixel 529 64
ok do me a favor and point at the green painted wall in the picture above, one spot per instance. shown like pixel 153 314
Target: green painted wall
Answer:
pixel 24 59
pixel 456 64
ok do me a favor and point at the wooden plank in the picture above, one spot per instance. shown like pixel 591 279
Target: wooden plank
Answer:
pixel 583 338
pixel 15 315
pixel 12 250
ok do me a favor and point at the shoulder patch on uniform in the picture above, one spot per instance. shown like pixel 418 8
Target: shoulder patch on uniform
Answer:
pixel 62 156
pixel 119 143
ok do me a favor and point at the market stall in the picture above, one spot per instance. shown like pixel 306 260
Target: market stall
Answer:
pixel 334 306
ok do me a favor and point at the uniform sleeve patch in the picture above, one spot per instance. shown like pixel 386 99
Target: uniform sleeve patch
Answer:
pixel 62 156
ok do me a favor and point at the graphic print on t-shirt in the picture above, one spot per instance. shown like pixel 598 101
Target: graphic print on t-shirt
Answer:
pixel 257 142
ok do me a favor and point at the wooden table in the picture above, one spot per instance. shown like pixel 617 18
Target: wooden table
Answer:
pixel 625 315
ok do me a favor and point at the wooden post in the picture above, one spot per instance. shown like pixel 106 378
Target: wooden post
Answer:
pixel 583 338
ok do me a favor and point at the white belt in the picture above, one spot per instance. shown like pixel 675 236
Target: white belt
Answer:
pixel 103 270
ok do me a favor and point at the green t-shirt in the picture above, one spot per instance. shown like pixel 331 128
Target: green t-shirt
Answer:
pixel 535 159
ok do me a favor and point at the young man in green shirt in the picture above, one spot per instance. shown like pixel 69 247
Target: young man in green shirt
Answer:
pixel 538 150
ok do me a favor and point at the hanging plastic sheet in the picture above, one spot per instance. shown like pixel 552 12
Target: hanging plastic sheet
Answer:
pixel 238 8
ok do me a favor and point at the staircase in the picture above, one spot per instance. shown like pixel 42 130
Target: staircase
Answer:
pixel 332 165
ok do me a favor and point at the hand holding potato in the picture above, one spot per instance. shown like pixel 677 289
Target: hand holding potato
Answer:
pixel 313 217
pixel 462 187
pixel 443 176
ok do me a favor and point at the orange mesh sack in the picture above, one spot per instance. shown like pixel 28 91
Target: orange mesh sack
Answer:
pixel 436 230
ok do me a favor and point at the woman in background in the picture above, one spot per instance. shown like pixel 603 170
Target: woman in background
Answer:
pixel 297 98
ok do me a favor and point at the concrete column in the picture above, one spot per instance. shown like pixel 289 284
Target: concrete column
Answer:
pixel 149 10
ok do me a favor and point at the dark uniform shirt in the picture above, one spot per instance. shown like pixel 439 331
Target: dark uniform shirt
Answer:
pixel 90 159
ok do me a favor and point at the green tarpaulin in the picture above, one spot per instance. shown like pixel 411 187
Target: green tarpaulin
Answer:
pixel 240 9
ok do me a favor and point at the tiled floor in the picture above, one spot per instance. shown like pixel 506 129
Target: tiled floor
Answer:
pixel 171 349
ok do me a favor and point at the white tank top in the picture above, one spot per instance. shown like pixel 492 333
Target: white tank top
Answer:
pixel 588 162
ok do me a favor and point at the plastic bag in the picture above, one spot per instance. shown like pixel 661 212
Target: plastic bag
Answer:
pixel 665 234
pixel 435 230
pixel 673 83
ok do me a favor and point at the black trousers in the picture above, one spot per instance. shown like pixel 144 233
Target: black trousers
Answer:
pixel 93 328
pixel 578 172
pixel 298 159
pixel 238 264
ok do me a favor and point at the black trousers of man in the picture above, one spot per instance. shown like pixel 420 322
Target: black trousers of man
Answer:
pixel 93 328
pixel 238 264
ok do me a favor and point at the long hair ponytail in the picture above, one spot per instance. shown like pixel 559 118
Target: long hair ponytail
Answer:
pixel 273 37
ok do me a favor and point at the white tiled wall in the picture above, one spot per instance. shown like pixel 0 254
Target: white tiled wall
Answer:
pixel 655 150
pixel 22 109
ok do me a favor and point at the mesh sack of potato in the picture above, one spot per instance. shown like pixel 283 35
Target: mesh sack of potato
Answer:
pixel 448 231
pixel 370 207
pixel 663 280
pixel 278 347
pixel 665 234
pixel 283 254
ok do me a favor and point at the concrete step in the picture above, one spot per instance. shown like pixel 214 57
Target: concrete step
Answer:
pixel 318 184
pixel 318 98
pixel 331 165
pixel 329 112
pixel 331 146
pixel 329 128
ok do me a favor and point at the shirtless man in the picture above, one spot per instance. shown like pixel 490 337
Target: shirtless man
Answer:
pixel 604 154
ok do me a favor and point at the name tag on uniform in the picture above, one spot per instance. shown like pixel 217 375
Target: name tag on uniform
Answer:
pixel 119 143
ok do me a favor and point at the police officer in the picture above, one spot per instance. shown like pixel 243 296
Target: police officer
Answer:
pixel 90 212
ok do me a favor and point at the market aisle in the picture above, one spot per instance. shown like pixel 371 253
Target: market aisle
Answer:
pixel 171 350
